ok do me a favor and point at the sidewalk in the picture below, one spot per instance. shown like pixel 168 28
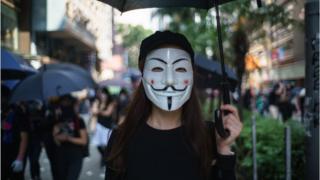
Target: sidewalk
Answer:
pixel 90 169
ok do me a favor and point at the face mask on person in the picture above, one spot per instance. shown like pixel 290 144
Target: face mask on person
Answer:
pixel 168 77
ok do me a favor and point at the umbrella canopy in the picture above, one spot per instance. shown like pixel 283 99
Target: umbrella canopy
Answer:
pixel 127 5
pixel 10 83
pixel 47 84
pixel 115 82
pixel 14 66
pixel 208 73
pixel 71 68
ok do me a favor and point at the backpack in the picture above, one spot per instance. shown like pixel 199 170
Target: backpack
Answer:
pixel 85 149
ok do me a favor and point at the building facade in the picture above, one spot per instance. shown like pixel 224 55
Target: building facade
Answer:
pixel 74 31
pixel 280 56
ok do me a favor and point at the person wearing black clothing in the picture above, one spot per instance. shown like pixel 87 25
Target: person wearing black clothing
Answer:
pixel 40 134
pixel 102 122
pixel 14 140
pixel 123 101
pixel 70 136
pixel 163 135
pixel 36 118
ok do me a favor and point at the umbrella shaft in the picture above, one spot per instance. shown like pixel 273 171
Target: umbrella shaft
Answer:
pixel 216 5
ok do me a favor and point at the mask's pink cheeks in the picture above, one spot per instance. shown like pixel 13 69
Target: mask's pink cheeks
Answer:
pixel 152 81
pixel 186 82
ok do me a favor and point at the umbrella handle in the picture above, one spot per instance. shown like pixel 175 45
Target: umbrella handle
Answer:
pixel 223 133
pixel 259 3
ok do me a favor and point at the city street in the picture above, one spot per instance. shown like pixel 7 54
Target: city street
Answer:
pixel 90 169
pixel 191 89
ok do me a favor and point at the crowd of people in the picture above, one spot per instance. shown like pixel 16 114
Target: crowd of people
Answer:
pixel 64 126
pixel 282 101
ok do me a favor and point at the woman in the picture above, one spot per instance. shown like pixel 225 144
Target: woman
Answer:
pixel 14 140
pixel 122 103
pixel 70 136
pixel 102 121
pixel 163 135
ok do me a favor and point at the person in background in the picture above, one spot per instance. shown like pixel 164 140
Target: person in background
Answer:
pixel 84 105
pixel 14 140
pixel 286 108
pixel 123 101
pixel 273 100
pixel 41 125
pixel 103 110
pixel 52 111
pixel 36 120
pixel 261 103
pixel 70 135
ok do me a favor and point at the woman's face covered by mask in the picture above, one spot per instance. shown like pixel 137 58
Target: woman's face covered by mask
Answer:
pixel 168 77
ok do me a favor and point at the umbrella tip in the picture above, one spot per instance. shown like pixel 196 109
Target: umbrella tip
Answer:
pixel 259 3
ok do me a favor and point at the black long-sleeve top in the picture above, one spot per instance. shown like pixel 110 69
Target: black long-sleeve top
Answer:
pixel 164 155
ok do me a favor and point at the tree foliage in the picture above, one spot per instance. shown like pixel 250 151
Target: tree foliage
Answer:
pixel 131 39
pixel 200 27
pixel 241 23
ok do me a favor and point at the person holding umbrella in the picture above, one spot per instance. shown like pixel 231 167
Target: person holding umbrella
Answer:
pixel 71 137
pixel 163 135
pixel 14 139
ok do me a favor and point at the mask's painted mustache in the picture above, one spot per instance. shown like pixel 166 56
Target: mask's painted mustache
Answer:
pixel 165 88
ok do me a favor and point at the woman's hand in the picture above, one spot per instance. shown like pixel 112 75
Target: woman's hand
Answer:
pixel 232 123
pixel 62 137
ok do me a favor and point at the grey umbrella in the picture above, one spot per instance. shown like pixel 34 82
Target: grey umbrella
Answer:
pixel 72 68
pixel 47 84
pixel 115 82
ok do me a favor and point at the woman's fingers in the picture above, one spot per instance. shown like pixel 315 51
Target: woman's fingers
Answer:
pixel 231 123
pixel 231 109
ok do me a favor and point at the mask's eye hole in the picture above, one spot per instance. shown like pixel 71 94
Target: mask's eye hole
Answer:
pixel 181 69
pixel 157 69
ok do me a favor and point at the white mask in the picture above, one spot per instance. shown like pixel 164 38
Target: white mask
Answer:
pixel 168 78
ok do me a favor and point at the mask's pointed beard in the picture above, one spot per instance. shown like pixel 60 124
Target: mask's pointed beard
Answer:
pixel 169 103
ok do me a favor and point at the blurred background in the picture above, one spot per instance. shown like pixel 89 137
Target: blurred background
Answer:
pixel 272 53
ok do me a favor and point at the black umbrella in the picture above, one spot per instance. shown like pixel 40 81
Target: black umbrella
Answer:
pixel 127 5
pixel 208 73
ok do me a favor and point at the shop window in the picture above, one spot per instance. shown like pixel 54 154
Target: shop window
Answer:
pixel 9 28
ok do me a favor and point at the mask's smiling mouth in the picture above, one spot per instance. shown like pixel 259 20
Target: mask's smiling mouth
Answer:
pixel 169 93
pixel 165 88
